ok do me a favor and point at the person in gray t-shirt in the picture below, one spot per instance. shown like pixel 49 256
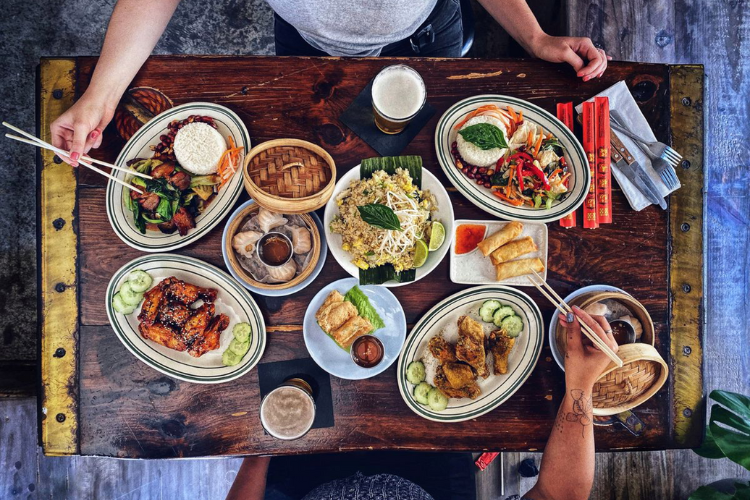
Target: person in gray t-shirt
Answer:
pixel 310 27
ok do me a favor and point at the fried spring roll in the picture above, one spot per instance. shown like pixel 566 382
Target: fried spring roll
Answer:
pixel 514 249
pixel 500 238
pixel 518 268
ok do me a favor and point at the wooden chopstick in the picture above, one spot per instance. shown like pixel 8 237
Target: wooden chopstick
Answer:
pixel 565 309
pixel 40 143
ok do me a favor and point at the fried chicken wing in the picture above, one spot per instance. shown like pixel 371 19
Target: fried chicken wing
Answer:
pixel 442 350
pixel 500 345
pixel 152 302
pixel 198 322
pixel 187 293
pixel 441 382
pixel 470 345
pixel 459 374
pixel 164 335
pixel 209 340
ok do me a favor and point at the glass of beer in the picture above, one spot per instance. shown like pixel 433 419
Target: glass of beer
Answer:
pixel 398 94
pixel 288 411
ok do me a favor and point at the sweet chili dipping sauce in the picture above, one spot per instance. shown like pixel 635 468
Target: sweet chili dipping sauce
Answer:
pixel 367 351
pixel 468 237
pixel 274 249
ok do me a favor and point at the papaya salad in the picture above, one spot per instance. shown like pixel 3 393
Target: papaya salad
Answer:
pixel 517 160
pixel 190 164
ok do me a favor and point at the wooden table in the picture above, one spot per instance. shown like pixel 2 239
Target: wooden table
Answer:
pixel 97 399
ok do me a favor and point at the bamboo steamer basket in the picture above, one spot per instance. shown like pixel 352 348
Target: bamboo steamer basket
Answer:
pixel 644 371
pixel 289 176
pixel 234 227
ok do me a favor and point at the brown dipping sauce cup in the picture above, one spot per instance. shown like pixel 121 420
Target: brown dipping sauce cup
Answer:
pixel 367 351
pixel 288 412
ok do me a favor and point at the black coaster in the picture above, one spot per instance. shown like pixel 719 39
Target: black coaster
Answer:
pixel 358 117
pixel 272 375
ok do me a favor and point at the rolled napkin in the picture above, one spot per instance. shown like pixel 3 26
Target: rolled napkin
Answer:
pixel 622 100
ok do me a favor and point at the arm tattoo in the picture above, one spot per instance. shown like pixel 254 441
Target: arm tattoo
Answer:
pixel 581 411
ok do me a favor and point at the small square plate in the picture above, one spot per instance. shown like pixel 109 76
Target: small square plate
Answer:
pixel 473 268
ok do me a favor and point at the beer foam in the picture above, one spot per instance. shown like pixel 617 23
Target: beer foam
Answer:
pixel 398 92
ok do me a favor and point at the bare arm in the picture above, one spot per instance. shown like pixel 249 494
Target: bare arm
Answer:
pixel 250 482
pixel 567 470
pixel 134 29
pixel 516 18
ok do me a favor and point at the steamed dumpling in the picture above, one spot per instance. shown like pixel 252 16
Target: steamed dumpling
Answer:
pixel 636 324
pixel 282 274
pixel 596 309
pixel 244 242
pixel 268 220
pixel 301 241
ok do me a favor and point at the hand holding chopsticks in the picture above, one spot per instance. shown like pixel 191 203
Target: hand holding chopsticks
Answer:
pixel 84 160
pixel 564 308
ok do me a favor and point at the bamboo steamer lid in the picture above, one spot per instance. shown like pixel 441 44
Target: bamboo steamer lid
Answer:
pixel 289 176
pixel 234 227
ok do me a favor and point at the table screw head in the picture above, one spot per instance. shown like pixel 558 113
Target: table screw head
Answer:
pixel 59 353
pixel 686 101
pixel 60 287
pixel 686 350
pixel 58 223
pixel 57 94
pixel 60 418
pixel 686 288
pixel 685 164
pixel 244 90
pixel 687 412
pixel 57 159
pixel 685 227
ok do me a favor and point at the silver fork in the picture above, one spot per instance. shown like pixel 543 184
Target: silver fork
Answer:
pixel 663 166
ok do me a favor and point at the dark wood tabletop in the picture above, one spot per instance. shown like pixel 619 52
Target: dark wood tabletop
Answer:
pixel 98 399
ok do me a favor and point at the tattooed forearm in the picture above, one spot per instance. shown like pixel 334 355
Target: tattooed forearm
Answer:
pixel 581 411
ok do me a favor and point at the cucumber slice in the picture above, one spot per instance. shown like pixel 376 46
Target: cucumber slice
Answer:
pixel 242 332
pixel 230 358
pixel 488 309
pixel 239 348
pixel 512 325
pixel 140 280
pixel 437 400
pixel 415 372
pixel 421 391
pixel 502 313
pixel 121 306
pixel 129 295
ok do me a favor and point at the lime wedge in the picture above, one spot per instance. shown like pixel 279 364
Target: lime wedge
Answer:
pixel 437 236
pixel 420 254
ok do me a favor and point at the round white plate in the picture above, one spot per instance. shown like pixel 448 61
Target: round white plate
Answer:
pixel 232 300
pixel 444 215
pixel 483 197
pixel 286 291
pixel 338 362
pixel 553 322
pixel 442 318
pixel 121 219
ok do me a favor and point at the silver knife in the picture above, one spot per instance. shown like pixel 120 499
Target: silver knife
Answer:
pixel 635 172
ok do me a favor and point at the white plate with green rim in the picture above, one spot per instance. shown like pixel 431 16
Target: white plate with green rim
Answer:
pixel 232 300
pixel 482 197
pixel 121 219
pixel 442 319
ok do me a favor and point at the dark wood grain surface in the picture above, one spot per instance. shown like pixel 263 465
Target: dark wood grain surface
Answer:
pixel 128 409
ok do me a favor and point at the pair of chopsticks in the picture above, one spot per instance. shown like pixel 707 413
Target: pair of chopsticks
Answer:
pixel 565 309
pixel 84 160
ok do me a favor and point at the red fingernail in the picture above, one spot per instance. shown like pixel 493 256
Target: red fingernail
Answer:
pixel 75 156
pixel 94 134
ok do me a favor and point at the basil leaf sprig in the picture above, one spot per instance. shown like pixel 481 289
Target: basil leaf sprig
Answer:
pixel 379 215
pixel 484 135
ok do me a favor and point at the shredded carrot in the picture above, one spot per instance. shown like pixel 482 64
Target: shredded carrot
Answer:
pixel 520 116
pixel 227 162
pixel 500 195
pixel 530 138
pixel 538 145
pixel 480 109
pixel 554 173
pixel 512 114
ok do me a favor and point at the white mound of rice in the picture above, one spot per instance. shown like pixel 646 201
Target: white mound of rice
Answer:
pixel 198 148
pixel 474 155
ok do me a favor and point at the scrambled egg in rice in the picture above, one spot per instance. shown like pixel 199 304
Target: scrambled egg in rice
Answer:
pixel 371 246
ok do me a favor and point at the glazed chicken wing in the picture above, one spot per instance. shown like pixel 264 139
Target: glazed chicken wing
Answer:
pixel 198 322
pixel 187 293
pixel 442 350
pixel 443 385
pixel 152 301
pixel 500 346
pixel 470 345
pixel 164 335
pixel 210 338
pixel 174 314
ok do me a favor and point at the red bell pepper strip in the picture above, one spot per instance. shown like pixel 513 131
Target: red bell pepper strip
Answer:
pixel 522 156
pixel 519 173
pixel 540 175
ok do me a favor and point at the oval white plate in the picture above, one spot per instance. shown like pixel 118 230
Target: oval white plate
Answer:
pixel 232 300
pixel 444 215
pixel 496 389
pixel 337 361
pixel 482 197
pixel 139 147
